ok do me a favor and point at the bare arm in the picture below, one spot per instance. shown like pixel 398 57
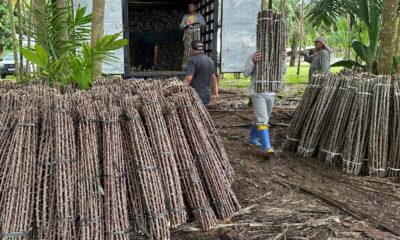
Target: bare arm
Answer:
pixel 214 85
pixel 155 54
pixel 214 90
pixel 188 79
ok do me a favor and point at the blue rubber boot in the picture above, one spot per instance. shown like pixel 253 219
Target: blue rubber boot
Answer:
pixel 263 133
pixel 254 137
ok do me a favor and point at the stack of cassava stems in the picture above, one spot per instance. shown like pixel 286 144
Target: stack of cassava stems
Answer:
pixel 271 35
pixel 352 120
pixel 126 159
pixel 154 20
pixel 164 25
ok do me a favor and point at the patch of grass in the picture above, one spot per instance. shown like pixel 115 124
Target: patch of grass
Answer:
pixel 230 81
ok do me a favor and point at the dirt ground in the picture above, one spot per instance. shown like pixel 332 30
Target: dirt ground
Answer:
pixel 289 197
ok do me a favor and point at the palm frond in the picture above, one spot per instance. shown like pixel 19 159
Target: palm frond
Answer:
pixel 324 12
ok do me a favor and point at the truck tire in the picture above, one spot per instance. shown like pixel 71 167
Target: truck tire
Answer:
pixel 3 76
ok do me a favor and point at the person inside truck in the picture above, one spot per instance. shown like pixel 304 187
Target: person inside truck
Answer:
pixel 200 74
pixel 192 18
pixel 148 51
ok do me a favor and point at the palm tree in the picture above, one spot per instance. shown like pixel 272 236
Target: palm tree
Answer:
pixel 387 34
pixel 97 31
pixel 20 35
pixel 13 36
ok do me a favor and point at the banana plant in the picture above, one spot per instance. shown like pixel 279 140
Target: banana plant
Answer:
pixel 363 59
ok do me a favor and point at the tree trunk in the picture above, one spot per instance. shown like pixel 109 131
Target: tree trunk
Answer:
pixel 388 31
pixel 301 35
pixel 349 37
pixel 61 5
pixel 97 31
pixel 282 6
pixel 263 4
pixel 38 8
pixel 294 47
pixel 397 44
pixel 20 35
pixel 14 38
pixel 29 31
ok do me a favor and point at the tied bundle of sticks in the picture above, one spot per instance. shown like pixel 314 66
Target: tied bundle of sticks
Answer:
pixel 332 143
pixel 151 199
pixel 18 187
pixel 394 157
pixel 355 152
pixel 220 192
pixel 191 177
pixel 271 35
pixel 192 33
pixel 115 173
pixel 166 160
pixel 91 196
pixel 126 159
pixel 316 121
pixel 302 112
pixel 379 129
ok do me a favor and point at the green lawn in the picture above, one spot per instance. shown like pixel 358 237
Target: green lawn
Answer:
pixel 291 77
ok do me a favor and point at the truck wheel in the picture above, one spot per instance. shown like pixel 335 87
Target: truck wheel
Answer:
pixel 2 76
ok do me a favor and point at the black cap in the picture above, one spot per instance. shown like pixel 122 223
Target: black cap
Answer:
pixel 197 45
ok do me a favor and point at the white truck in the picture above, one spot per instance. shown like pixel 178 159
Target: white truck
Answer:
pixel 229 37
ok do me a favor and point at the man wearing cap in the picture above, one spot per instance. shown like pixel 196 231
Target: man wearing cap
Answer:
pixel 321 59
pixel 200 74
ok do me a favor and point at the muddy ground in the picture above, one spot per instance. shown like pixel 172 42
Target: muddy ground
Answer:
pixel 290 197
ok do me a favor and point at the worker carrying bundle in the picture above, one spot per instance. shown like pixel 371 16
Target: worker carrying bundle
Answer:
pixel 191 23
pixel 266 68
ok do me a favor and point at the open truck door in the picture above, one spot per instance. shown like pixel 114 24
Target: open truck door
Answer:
pixel 238 41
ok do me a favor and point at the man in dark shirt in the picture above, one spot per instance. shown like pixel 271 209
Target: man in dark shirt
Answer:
pixel 200 74
pixel 149 51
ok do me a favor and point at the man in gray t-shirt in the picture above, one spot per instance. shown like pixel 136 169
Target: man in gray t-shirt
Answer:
pixel 200 74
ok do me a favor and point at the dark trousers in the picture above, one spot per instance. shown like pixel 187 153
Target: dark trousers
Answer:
pixel 147 56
